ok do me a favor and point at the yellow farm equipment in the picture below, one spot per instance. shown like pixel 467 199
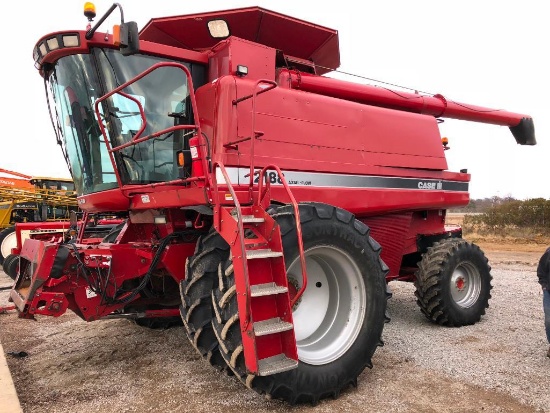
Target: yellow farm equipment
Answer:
pixel 32 199
pixel 23 205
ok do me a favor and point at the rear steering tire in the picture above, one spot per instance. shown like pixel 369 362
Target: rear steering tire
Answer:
pixel 453 283
pixel 339 319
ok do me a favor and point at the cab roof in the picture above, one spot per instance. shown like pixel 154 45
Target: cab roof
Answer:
pixel 294 37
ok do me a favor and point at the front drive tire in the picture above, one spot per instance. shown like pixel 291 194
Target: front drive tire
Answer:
pixel 453 283
pixel 201 277
pixel 338 321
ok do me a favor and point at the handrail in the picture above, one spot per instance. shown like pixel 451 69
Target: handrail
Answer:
pixel 240 228
pixel 136 139
pixel 297 218
pixel 253 95
pixel 272 84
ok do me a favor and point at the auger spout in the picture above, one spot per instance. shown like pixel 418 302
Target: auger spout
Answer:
pixel 521 126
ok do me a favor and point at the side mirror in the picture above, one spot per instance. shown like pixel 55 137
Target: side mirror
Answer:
pixel 129 38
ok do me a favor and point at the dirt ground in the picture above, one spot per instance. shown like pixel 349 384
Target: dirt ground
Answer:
pixel 117 366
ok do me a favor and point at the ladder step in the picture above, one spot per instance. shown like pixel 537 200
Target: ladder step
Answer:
pixel 271 326
pixel 271 288
pixel 276 364
pixel 250 219
pixel 255 242
pixel 265 253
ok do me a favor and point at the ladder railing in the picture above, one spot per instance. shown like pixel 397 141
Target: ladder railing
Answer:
pixel 265 305
pixel 296 216
pixel 256 91
pixel 255 134
pixel 240 227
pixel 264 310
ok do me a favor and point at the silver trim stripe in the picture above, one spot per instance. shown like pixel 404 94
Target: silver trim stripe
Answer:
pixel 239 176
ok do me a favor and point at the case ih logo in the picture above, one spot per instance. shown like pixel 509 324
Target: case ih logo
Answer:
pixel 430 185
pixel 2 181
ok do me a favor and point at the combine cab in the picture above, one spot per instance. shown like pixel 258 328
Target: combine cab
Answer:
pixel 267 206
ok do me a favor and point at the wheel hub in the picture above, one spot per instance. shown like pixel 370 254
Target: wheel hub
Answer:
pixel 465 284
pixel 330 313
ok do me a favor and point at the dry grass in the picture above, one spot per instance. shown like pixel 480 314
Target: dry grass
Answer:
pixel 516 240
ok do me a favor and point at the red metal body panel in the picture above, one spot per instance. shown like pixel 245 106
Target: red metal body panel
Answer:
pixel 105 40
pixel 159 196
pixel 259 59
pixel 169 198
pixel 26 293
pixel 426 223
pixel 303 131
pixel 390 231
pixel 317 133
pixel 125 262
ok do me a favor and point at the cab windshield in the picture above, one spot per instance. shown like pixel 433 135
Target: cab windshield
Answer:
pixel 77 81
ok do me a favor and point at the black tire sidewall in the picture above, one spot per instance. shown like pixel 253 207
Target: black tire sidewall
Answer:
pixel 6 265
pixel 197 307
pixel 307 378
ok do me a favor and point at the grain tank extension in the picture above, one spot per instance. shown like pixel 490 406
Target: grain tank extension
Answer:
pixel 266 205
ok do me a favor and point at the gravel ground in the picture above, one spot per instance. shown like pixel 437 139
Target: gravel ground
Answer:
pixel 497 365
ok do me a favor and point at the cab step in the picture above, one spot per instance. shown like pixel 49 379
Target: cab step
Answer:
pixel 276 364
pixel 263 253
pixel 260 290
pixel 271 326
pixel 261 285
pixel 251 219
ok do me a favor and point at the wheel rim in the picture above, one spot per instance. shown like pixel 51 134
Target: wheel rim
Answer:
pixel 330 313
pixel 465 284
pixel 9 242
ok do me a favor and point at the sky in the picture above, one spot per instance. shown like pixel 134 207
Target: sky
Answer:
pixel 487 53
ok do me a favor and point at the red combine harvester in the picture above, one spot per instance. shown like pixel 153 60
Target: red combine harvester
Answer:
pixel 267 205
